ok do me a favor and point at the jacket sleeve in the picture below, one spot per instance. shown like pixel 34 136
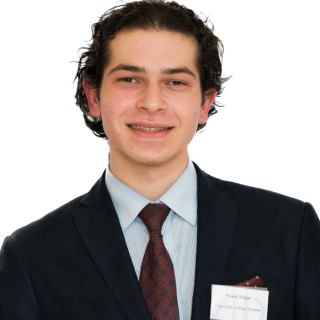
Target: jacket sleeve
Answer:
pixel 17 296
pixel 307 288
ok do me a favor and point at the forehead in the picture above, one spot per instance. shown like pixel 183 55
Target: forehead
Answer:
pixel 153 49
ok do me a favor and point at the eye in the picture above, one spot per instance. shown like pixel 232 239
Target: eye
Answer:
pixel 176 83
pixel 127 79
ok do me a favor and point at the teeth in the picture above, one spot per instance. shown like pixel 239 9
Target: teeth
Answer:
pixel 148 129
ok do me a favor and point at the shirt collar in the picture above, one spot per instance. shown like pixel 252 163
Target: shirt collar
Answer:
pixel 181 197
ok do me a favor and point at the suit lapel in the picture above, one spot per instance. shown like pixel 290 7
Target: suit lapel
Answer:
pixel 217 212
pixel 100 230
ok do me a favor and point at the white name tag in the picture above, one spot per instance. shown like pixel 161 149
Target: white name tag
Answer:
pixel 238 303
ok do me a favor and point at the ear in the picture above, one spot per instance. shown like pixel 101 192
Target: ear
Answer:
pixel 209 97
pixel 92 99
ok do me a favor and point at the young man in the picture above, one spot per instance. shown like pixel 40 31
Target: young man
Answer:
pixel 148 82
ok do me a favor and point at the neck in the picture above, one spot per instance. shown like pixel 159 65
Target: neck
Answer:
pixel 151 181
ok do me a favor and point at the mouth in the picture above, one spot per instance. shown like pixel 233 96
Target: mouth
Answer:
pixel 148 129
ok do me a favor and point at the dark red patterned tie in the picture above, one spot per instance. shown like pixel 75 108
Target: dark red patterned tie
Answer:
pixel 157 279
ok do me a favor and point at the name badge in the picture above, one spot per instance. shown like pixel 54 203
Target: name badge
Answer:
pixel 238 303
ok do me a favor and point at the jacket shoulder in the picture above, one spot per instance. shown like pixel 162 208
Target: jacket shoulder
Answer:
pixel 58 220
pixel 253 198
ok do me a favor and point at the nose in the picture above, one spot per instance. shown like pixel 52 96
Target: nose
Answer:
pixel 152 99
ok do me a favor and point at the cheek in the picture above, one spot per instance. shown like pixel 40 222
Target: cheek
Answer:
pixel 190 122
pixel 196 114
pixel 109 117
pixel 111 108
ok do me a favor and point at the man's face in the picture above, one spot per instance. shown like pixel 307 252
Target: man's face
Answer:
pixel 150 98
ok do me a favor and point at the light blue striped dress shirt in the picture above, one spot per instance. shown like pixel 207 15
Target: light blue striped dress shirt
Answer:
pixel 179 229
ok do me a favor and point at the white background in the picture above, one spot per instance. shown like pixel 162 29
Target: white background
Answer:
pixel 266 136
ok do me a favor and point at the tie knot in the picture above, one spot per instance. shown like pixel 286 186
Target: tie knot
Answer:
pixel 154 215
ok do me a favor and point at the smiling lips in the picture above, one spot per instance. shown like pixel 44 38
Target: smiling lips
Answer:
pixel 147 129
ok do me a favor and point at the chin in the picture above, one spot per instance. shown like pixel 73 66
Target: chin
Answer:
pixel 158 160
pixel 151 162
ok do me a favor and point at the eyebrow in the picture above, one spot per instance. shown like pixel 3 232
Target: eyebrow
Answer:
pixel 127 67
pixel 178 70
pixel 131 68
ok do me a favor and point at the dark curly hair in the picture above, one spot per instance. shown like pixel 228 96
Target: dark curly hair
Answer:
pixel 146 15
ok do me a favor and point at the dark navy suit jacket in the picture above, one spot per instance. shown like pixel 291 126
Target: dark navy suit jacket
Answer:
pixel 74 264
